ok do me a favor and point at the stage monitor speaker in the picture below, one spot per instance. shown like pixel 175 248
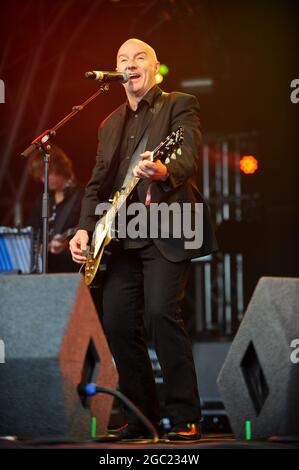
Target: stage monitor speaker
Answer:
pixel 53 342
pixel 209 358
pixel 259 381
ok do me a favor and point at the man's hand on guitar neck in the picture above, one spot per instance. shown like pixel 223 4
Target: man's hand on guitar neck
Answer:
pixel 151 170
pixel 78 246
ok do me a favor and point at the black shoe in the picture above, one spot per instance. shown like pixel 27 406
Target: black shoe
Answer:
pixel 135 431
pixel 129 431
pixel 184 432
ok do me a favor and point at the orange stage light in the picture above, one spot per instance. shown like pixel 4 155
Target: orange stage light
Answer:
pixel 248 164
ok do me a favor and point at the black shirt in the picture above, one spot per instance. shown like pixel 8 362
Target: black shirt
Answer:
pixel 133 121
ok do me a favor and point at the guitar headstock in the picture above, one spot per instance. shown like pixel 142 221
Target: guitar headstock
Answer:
pixel 170 147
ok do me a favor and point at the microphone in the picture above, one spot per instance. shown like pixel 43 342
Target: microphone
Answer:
pixel 107 77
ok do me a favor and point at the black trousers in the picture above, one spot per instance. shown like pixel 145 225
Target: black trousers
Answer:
pixel 143 274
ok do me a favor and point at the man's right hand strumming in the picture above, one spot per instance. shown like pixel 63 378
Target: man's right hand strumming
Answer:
pixel 78 246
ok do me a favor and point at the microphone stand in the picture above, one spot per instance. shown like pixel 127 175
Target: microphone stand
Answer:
pixel 42 144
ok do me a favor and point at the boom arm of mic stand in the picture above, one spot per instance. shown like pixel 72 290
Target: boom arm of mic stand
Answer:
pixel 43 138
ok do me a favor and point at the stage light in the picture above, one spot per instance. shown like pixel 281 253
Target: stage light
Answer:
pixel 159 78
pixel 248 164
pixel 198 83
pixel 163 70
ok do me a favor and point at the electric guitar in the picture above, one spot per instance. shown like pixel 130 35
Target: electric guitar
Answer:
pixel 103 233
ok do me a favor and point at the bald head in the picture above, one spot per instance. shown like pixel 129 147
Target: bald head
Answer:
pixel 143 46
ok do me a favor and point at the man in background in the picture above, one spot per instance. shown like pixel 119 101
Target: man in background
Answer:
pixel 64 203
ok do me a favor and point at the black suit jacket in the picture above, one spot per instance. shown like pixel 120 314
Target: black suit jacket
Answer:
pixel 176 109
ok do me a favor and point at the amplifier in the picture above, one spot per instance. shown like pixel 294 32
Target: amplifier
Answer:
pixel 17 250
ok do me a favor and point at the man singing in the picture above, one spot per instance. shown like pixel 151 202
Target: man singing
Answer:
pixel 153 270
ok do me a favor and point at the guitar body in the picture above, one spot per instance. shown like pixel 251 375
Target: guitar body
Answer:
pixel 101 238
pixel 93 261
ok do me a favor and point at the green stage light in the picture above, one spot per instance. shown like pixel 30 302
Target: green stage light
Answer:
pixel 163 70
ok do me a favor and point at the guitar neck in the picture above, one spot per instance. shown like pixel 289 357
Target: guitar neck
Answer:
pixel 173 140
pixel 125 193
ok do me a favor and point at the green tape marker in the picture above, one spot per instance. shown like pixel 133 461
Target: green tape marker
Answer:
pixel 248 430
pixel 93 426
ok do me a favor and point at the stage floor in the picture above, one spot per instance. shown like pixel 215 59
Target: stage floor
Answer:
pixel 208 441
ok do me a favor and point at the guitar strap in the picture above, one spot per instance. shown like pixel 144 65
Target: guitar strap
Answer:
pixel 143 142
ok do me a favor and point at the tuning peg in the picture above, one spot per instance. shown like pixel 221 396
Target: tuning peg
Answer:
pixel 167 160
pixel 173 156
pixel 179 151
